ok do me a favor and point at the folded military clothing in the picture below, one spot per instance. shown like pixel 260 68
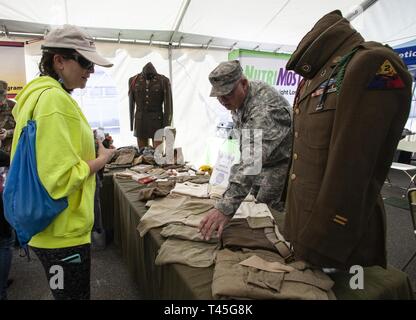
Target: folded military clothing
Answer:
pixel 261 264
pixel 233 280
pixel 271 229
pixel 237 234
pixel 184 232
pixel 199 179
pixel 190 253
pixel 256 233
pixel 142 168
pixel 123 175
pixel 155 190
pixel 149 159
pixel 174 209
pixel 137 160
pixel 191 189
pixel 128 173
pixel 113 166
pixel 125 157
pixel 158 172
pixel 252 209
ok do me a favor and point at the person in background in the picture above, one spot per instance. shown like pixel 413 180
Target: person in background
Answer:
pixel 7 122
pixel 7 237
pixel 259 108
pixel 65 153
pixel 6 233
pixel 98 235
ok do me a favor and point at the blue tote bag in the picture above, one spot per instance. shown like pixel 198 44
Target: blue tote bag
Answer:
pixel 28 207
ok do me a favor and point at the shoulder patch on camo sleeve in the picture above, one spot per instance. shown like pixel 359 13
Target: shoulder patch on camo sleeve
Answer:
pixel 386 78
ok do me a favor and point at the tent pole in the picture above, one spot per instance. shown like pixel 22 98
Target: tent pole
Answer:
pixel 412 103
pixel 178 24
pixel 360 9
pixel 170 63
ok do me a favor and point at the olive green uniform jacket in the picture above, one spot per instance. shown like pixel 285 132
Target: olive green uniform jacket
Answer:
pixel 346 131
pixel 150 101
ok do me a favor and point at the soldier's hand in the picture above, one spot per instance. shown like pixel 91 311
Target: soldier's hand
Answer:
pixel 214 220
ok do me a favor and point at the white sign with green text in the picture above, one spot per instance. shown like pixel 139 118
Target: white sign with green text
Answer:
pixel 270 68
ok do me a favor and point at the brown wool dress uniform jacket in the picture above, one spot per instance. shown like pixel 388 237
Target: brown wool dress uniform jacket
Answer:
pixel 150 101
pixel 346 131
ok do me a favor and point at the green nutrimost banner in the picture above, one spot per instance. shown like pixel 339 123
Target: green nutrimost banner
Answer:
pixel 270 68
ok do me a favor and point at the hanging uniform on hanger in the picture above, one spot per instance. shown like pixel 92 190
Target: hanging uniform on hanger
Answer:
pixel 150 100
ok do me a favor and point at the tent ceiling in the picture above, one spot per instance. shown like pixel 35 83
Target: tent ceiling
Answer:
pixel 155 37
pixel 268 25
pixel 392 22
pixel 275 21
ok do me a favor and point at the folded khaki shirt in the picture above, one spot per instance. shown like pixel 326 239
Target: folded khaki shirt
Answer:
pixel 261 264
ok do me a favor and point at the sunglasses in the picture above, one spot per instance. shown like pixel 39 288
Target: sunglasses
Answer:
pixel 84 63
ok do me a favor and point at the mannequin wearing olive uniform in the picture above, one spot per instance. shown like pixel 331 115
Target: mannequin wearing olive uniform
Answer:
pixel 150 100
pixel 349 113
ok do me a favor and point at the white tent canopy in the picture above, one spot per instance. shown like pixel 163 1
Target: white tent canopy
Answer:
pixel 265 25
pixel 179 38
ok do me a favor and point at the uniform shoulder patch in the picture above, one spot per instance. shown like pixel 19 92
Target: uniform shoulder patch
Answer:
pixel 386 78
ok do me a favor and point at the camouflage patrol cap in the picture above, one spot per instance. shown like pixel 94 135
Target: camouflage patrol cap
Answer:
pixel 224 77
pixel 3 85
pixel 3 91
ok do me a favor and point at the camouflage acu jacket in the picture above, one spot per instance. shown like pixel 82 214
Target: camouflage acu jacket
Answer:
pixel 265 117
pixel 7 122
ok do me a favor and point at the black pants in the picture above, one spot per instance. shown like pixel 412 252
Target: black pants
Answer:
pixel 98 220
pixel 67 271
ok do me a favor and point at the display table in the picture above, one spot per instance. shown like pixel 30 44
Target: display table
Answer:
pixel 107 203
pixel 176 281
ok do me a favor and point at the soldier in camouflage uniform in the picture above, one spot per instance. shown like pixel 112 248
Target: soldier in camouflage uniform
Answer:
pixel 7 122
pixel 260 108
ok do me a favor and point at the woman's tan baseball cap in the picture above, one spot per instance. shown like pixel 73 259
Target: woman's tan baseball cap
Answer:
pixel 72 37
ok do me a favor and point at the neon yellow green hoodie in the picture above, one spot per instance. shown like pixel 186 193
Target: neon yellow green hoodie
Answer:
pixel 64 142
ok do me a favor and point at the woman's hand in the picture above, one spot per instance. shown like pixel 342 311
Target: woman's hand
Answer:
pixel 104 156
pixel 107 154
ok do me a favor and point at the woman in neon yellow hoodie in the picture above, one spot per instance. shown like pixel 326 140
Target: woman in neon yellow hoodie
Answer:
pixel 65 155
